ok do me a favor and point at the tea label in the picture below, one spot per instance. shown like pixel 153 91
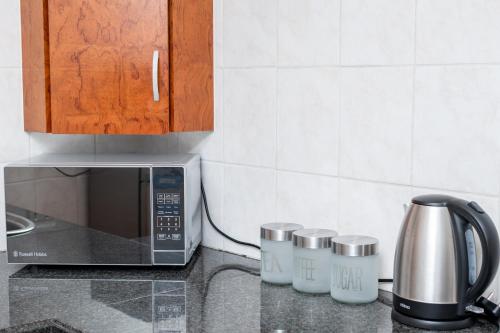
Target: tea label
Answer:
pixel 270 263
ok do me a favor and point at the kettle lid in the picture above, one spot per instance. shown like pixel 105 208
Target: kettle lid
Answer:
pixel 435 200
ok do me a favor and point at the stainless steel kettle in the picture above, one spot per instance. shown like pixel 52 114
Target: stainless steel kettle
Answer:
pixel 435 269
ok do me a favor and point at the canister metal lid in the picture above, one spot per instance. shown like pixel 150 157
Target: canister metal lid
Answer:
pixel 355 246
pixel 313 238
pixel 279 232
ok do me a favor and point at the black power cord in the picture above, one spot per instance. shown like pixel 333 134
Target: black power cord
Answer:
pixel 207 211
pixel 491 311
pixel 229 267
pixel 205 203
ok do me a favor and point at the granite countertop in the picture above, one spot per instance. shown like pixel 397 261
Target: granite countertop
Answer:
pixel 216 292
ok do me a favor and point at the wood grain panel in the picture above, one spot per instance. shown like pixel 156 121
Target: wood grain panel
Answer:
pixel 36 80
pixel 191 65
pixel 101 66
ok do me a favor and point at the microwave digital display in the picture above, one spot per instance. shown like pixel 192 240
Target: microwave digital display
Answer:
pixel 167 181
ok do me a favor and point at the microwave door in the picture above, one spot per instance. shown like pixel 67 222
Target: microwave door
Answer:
pixel 81 215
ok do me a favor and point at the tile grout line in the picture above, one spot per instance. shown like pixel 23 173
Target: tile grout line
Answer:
pixel 339 119
pixel 363 66
pixel 413 104
pixel 277 108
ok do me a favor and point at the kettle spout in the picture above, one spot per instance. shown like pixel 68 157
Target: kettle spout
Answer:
pixel 406 206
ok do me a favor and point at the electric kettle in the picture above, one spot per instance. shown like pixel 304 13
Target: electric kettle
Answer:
pixel 435 270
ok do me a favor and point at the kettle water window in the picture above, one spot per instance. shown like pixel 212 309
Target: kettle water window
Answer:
pixel 471 254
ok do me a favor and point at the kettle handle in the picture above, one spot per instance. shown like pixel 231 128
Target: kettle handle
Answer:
pixel 475 215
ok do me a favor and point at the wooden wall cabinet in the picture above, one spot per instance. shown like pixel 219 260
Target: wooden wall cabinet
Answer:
pixel 117 66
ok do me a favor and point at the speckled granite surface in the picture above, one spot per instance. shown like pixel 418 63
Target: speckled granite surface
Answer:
pixel 217 292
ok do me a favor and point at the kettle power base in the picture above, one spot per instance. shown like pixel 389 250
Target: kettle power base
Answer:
pixel 432 324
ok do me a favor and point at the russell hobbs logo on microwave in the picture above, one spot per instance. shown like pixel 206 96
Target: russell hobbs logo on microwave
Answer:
pixel 29 254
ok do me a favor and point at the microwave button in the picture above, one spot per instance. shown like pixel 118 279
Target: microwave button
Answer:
pixel 176 198
pixel 176 236
pixel 177 221
pixel 164 221
pixel 162 237
pixel 160 198
pixel 168 198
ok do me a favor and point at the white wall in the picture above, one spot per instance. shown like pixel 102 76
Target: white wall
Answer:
pixel 328 113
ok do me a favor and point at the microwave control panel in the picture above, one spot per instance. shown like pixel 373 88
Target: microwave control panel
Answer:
pixel 168 209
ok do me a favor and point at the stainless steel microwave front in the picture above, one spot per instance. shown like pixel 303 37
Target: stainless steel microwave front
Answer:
pixel 116 210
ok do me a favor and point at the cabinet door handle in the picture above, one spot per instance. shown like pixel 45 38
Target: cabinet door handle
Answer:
pixel 156 92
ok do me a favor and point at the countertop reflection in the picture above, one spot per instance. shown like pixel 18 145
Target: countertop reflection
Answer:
pixel 216 292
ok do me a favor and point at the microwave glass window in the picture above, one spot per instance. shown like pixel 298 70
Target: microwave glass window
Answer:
pixel 89 215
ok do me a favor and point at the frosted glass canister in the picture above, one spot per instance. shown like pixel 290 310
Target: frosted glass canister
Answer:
pixel 276 259
pixel 311 260
pixel 354 269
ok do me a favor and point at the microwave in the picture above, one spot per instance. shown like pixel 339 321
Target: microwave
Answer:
pixel 103 209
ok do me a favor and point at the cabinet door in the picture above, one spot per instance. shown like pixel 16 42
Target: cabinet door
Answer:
pixel 102 68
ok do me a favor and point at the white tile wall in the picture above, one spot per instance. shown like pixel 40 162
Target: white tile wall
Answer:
pixel 45 143
pixel 14 143
pixel 378 32
pixel 330 113
pixel 307 199
pixel 249 200
pixel 308 32
pixel 308 114
pixel 375 133
pixel 250 32
pixel 250 116
pixel 10 26
pixel 458 31
pixel 457 126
